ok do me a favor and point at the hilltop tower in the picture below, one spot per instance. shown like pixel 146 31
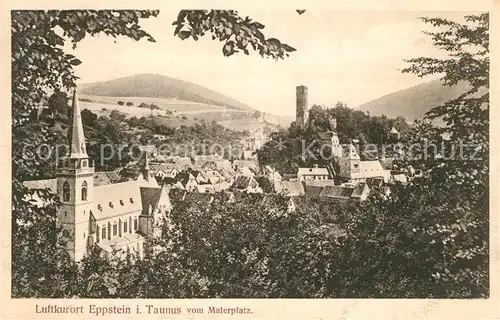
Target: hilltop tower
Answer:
pixel 302 110
pixel 75 188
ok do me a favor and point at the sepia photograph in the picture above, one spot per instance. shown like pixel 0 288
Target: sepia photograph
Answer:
pixel 249 154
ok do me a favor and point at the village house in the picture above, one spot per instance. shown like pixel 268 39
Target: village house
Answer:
pixel 353 169
pixel 246 184
pixel 314 173
pixel 360 192
pixel 187 180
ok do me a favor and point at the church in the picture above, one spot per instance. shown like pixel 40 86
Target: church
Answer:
pixel 115 217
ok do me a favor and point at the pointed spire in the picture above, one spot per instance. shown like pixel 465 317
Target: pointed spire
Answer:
pixel 76 135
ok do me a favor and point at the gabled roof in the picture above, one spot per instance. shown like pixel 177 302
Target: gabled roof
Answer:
pixel 213 176
pixel 244 171
pixel 184 177
pixel 149 197
pixel 223 164
pixel 227 174
pixel 360 190
pixel 243 182
pixel 291 188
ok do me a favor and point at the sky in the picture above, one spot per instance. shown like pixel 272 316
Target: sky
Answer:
pixel 349 56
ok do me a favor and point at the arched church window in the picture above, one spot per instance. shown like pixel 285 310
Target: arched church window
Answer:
pixel 66 191
pixel 84 191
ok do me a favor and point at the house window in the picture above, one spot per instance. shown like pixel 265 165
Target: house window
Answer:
pixel 66 191
pixel 84 163
pixel 98 232
pixel 84 191
pixel 120 228
pixel 121 202
pixel 115 229
pixel 131 200
pixel 65 213
pixel 135 223
pixel 103 232
pixel 109 231
pixel 130 223
pixel 125 225
pixel 84 235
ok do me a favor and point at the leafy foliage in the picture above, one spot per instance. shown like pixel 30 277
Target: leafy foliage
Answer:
pixel 236 33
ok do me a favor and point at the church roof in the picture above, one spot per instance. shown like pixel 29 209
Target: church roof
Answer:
pixel 76 136
pixel 117 199
pixel 371 169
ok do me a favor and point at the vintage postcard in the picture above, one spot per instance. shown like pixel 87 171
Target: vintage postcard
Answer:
pixel 271 160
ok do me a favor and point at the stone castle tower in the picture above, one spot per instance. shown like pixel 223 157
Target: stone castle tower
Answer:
pixel 302 107
pixel 75 187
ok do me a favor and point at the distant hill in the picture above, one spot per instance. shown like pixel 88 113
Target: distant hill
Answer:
pixel 163 87
pixel 414 102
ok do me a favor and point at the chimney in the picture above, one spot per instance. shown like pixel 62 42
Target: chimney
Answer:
pixel 302 106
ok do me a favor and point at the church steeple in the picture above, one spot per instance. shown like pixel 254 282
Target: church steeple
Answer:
pixel 76 135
